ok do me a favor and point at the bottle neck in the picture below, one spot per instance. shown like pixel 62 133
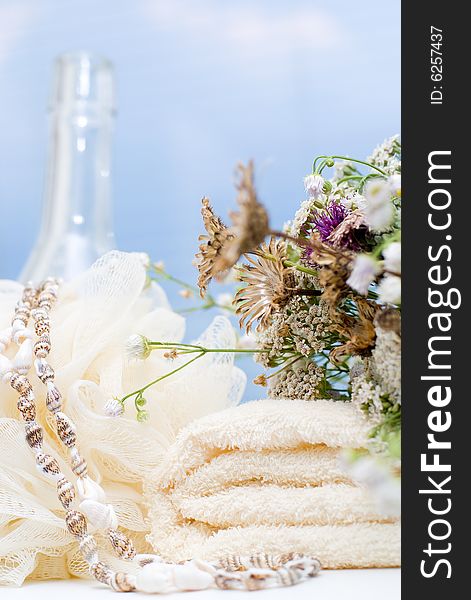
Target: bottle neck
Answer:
pixel 77 196
pixel 77 225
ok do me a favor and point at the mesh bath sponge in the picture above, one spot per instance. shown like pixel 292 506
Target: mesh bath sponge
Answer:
pixel 90 324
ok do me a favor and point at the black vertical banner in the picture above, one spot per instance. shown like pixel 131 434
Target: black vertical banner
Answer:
pixel 436 189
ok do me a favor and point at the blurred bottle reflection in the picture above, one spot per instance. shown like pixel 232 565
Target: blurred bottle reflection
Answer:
pixel 76 226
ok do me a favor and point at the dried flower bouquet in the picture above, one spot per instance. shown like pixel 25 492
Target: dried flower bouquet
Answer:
pixel 320 299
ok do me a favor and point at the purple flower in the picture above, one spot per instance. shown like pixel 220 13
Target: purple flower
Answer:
pixel 338 227
pixel 325 222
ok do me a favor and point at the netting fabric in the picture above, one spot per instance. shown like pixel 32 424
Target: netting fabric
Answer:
pixel 94 317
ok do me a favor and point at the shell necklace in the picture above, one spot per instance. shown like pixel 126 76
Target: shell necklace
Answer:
pixel 258 571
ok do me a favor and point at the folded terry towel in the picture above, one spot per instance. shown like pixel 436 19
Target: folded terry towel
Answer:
pixel 265 477
pixel 275 505
pixel 281 467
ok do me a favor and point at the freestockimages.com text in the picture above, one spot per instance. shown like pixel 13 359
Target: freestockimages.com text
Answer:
pixel 442 300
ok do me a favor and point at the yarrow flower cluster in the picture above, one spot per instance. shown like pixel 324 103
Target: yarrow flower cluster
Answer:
pixel 303 380
pixel 385 363
pixel 387 155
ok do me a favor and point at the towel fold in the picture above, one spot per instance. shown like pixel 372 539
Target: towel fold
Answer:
pixel 275 505
pixel 266 477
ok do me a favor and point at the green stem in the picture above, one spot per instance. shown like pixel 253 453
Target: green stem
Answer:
pixel 299 241
pixel 161 378
pixel 184 284
pixel 327 158
pixel 191 309
pixel 289 263
pixel 363 179
pixel 348 178
pixel 203 349
pixel 171 345
pixel 286 366
pixel 236 350
pixel 200 351
pixel 210 301
pixel 298 267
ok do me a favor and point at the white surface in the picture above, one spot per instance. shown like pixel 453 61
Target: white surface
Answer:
pixel 361 584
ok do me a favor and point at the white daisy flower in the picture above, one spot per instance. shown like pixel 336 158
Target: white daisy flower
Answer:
pixel 389 289
pixel 314 185
pixel 392 257
pixel 394 182
pixel 365 269
pixel 379 209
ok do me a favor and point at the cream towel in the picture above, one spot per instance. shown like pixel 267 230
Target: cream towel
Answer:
pixel 281 467
pixel 263 425
pixel 275 505
pixel 265 477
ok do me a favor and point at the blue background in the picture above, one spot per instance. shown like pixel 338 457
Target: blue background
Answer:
pixel 201 85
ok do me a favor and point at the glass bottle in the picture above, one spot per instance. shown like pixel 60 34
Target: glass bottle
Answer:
pixel 76 226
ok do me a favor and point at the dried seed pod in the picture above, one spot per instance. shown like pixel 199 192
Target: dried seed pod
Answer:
pixel 76 523
pixel 101 572
pixel 42 347
pixel 27 407
pixel 34 434
pixel 21 384
pixel 122 544
pixel 53 398
pixel 47 463
pixel 89 549
pixel 65 492
pixel 42 327
pixel 389 319
pixel 123 582
pixel 66 429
